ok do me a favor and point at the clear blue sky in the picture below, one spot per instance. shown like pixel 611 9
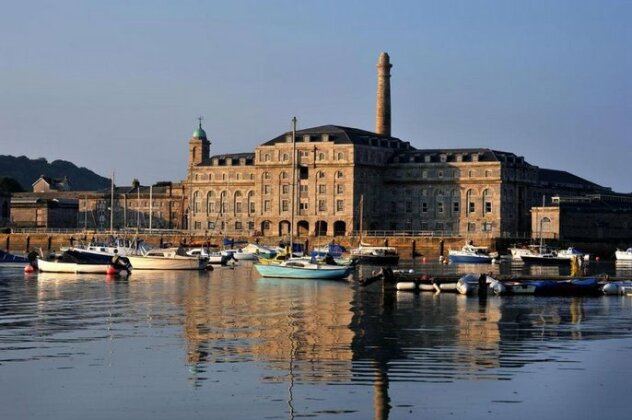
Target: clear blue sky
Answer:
pixel 118 85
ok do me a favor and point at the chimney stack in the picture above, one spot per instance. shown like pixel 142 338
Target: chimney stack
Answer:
pixel 383 102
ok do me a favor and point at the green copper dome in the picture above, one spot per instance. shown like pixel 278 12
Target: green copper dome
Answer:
pixel 199 133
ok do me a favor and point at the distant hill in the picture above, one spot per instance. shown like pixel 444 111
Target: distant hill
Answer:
pixel 26 171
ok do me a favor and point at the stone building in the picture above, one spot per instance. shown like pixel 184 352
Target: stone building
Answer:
pixel 346 179
pixel 585 218
pixel 43 212
pixel 47 184
pixel 162 205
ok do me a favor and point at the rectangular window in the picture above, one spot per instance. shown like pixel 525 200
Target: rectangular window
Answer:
pixel 251 225
pixel 211 225
pixel 322 205
pixel 424 207
pixel 266 205
pixel 322 189
pixel 487 227
pixel 340 189
pixel 285 189
pixel 440 207
pixel 238 207
pixel 238 226
pixel 266 189
pixel 198 225
pixel 340 205
pixel 252 207
pixel 471 207
pixel 488 207
pixel 285 205
pixel 303 189
pixel 303 172
pixel 303 205
pixel 471 227
pixel 455 207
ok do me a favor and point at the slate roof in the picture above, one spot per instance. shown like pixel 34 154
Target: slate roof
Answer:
pixel 484 155
pixel 343 135
pixel 562 178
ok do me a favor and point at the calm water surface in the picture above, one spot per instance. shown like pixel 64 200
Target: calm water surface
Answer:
pixel 227 344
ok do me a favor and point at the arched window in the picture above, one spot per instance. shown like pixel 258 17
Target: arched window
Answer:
pixel 285 157
pixel 196 201
pixel 210 202
pixel 223 205
pixel 487 201
pixel 251 202
pixel 266 157
pixel 339 174
pixel 470 203
pixel 267 175
pixel 237 202
pixel 545 225
pixel 320 175
pixel 283 175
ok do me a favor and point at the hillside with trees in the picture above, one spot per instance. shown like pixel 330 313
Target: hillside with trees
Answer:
pixel 26 171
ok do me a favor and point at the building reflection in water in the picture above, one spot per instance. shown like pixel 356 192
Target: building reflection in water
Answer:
pixel 321 332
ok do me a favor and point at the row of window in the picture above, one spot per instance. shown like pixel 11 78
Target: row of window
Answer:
pixel 303 189
pixel 304 154
pixel 303 205
pixel 456 207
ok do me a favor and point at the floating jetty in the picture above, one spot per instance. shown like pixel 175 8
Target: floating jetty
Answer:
pixel 412 281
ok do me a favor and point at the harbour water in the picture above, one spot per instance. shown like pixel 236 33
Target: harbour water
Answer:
pixel 227 344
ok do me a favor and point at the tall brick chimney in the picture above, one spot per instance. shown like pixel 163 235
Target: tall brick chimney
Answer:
pixel 383 101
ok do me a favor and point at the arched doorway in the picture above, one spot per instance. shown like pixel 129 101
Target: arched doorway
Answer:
pixel 340 228
pixel 321 228
pixel 302 228
pixel 284 228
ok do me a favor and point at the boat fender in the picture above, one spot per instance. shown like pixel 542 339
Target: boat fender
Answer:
pixel 406 285
pixel 29 268
pixel 111 270
pixel 611 289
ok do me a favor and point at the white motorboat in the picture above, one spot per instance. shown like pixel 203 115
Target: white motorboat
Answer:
pixel 470 254
pixel 624 255
pixel 214 257
pixel 367 254
pixel 252 252
pixel 167 259
pixel 61 266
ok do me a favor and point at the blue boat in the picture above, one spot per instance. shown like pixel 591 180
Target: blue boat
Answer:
pixel 573 287
pixel 8 258
pixel 303 269
pixel 470 254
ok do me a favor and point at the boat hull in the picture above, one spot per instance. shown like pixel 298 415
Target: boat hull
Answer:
pixel 281 271
pixel 533 259
pixel 469 259
pixel 376 259
pixel 70 267
pixel 165 263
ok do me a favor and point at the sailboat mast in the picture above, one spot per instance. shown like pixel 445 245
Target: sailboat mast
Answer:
pixel 112 204
pixel 542 237
pixel 293 184
pixel 361 216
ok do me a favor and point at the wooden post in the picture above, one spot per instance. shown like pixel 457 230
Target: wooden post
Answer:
pixel 441 247
pixel 28 243
pixel 413 252
pixel 49 243
pixel 8 247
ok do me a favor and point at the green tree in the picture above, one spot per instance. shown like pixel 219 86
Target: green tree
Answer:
pixel 10 185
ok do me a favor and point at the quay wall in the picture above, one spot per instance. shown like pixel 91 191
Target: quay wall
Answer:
pixel 409 247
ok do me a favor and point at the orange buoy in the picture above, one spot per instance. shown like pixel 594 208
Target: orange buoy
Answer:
pixel 111 270
pixel 29 269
